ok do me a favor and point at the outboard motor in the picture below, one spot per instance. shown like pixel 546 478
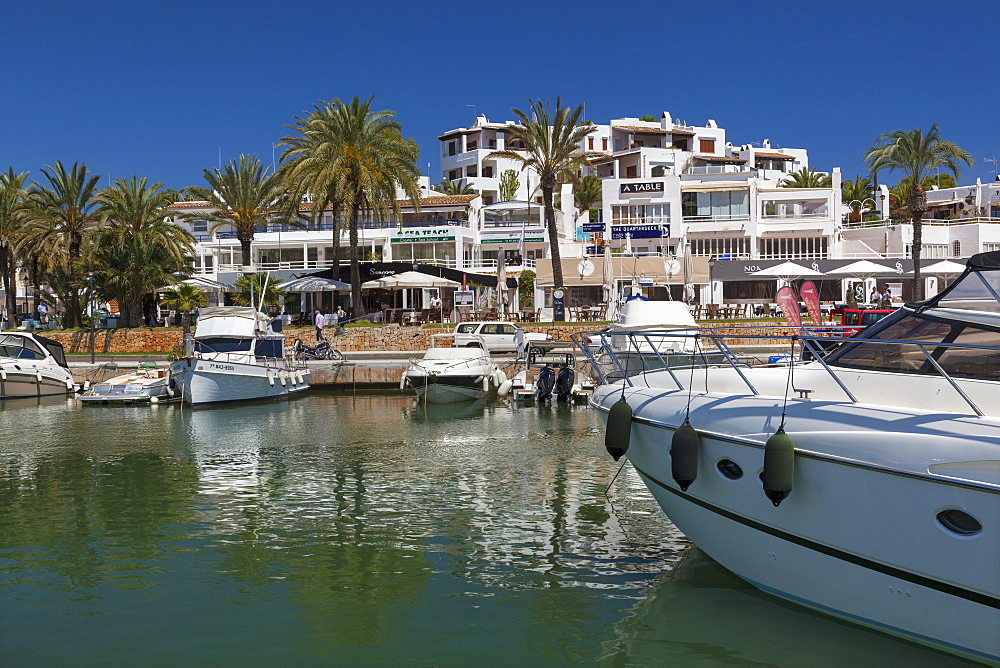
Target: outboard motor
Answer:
pixel 564 383
pixel 546 381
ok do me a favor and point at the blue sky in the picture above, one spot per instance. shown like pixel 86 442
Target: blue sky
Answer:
pixel 161 89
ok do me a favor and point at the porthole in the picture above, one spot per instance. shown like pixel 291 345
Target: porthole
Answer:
pixel 729 469
pixel 959 522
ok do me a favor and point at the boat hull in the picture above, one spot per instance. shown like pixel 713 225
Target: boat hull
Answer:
pixel 446 388
pixel 16 384
pixel 207 383
pixel 853 539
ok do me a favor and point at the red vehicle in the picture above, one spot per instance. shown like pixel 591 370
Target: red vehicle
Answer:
pixel 853 320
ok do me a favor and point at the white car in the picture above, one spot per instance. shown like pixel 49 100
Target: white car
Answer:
pixel 498 337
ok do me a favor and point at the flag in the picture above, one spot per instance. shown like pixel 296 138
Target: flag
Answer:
pixel 789 306
pixel 810 296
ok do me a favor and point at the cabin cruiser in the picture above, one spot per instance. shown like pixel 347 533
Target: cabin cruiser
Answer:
pixel 32 366
pixel 237 354
pixel 149 383
pixel 449 374
pixel 864 484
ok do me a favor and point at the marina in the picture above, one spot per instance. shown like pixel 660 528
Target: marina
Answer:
pixel 365 529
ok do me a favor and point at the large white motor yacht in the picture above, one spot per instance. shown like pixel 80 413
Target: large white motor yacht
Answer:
pixel 864 483
pixel 32 366
pixel 238 354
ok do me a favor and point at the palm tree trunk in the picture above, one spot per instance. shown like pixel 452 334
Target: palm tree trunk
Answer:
pixel 132 313
pixel 335 260
pixel 10 296
pixel 356 305
pixel 246 249
pixel 550 221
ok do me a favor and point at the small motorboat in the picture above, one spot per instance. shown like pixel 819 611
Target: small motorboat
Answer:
pixel 448 374
pixel 32 366
pixel 147 384
pixel 550 372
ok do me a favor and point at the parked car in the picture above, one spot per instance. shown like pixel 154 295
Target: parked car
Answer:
pixel 498 337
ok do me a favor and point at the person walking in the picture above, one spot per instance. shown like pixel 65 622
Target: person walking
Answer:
pixel 320 322
pixel 341 319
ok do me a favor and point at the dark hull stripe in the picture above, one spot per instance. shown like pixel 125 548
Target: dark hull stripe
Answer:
pixel 857 560
pixel 465 382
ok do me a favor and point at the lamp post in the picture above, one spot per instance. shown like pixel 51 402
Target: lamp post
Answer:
pixel 90 296
pixel 861 206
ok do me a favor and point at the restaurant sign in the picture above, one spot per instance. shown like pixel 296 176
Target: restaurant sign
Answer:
pixel 649 187
pixel 640 231
pixel 593 227
pixel 515 241
pixel 424 234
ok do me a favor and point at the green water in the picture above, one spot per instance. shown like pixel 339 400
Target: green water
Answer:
pixel 363 530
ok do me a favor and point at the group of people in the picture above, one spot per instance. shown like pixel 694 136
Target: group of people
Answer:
pixel 340 317
pixel 881 298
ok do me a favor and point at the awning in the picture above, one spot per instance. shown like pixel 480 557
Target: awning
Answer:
pixel 313 284
pixel 714 187
pixel 627 266
pixel 724 159
pixel 409 279
pixel 772 156
pixel 947 202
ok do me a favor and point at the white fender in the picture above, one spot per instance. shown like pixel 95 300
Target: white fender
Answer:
pixel 3 374
pixel 270 378
pixel 486 383
pixel 69 385
pixel 86 383
pixel 505 388
pixel 167 377
pixel 402 382
pixel 282 376
pixel 300 376
pixel 499 377
pixel 154 400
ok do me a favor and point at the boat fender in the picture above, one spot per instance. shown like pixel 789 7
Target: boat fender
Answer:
pixel 486 383
pixel 282 376
pixel 499 378
pixel 779 466
pixel 154 400
pixel 168 380
pixel 69 386
pixel 619 430
pixel 505 388
pixel 270 378
pixel 3 374
pixel 402 382
pixel 684 447
pixel 86 382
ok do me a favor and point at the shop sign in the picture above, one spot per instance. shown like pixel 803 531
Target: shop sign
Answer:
pixel 424 234
pixel 593 227
pixel 650 187
pixel 515 241
pixel 639 231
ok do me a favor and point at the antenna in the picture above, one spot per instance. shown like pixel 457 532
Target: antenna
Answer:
pixel 996 175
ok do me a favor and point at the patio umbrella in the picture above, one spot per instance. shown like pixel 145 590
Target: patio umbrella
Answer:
pixel 206 284
pixel 788 272
pixel 942 269
pixel 863 270
pixel 313 284
pixel 501 284
pixel 688 275
pixel 610 295
pixel 409 279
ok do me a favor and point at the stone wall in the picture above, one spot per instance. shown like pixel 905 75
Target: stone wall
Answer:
pixel 389 337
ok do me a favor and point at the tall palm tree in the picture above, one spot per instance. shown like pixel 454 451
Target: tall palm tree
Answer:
pixel 310 166
pixel 13 217
pixel 245 195
pixel 916 154
pixel 806 178
pixel 552 149
pixel 130 208
pixel 129 269
pixel 62 216
pixel 251 286
pixel 185 298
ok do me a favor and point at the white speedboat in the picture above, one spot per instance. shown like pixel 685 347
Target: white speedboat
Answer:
pixel 147 384
pixel 865 484
pixel 449 374
pixel 238 354
pixel 32 366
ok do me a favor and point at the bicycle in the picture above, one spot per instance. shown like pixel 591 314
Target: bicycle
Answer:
pixel 321 351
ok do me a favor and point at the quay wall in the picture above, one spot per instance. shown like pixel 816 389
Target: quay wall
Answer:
pixel 390 338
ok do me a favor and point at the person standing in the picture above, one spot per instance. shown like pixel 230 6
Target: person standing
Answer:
pixel 887 298
pixel 43 313
pixel 875 297
pixel 320 322
pixel 341 319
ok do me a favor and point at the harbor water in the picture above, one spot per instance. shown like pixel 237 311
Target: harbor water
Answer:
pixel 364 529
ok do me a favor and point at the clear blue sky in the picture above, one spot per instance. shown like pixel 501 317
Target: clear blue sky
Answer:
pixel 157 89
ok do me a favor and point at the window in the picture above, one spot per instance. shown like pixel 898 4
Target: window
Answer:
pixel 786 248
pixel 604 144
pixel 454 174
pixel 800 209
pixel 630 172
pixel 199 226
pixel 452 148
pixel 729 469
pixel 956 249
pixel 488 171
pixel 959 522
pixel 471 171
pixel 721 205
pixel 930 251
pixel 640 214
pixel 707 145
pixel 734 247
pixel 590 143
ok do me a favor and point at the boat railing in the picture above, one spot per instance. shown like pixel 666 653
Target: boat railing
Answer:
pixel 207 353
pixel 711 347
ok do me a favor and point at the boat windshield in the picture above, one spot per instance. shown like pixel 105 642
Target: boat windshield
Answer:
pixel 20 347
pixel 960 329
pixel 221 344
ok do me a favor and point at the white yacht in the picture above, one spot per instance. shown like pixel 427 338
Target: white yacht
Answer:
pixel 865 484
pixel 238 354
pixel 450 374
pixel 32 366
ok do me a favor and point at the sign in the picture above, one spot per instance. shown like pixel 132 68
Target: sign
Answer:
pixel 426 234
pixel 558 306
pixel 514 241
pixel 399 240
pixel 463 297
pixel 639 231
pixel 594 250
pixel 593 227
pixel 650 187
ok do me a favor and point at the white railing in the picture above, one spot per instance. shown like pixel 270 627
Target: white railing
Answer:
pixel 720 218
pixel 981 220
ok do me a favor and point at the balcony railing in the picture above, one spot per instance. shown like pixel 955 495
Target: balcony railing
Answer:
pixel 981 220
pixel 476 266
pixel 328 226
pixel 718 218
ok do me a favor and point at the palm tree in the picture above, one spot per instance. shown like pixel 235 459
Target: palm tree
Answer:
pixel 185 298
pixel 587 192
pixel 455 187
pixel 806 178
pixel 245 195
pixel 13 217
pixel 129 269
pixel 552 149
pixel 62 216
pixel 250 287
pixel 858 190
pixel 130 208
pixel 916 154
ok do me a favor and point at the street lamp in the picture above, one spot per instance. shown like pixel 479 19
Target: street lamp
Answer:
pixel 861 206
pixel 90 297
